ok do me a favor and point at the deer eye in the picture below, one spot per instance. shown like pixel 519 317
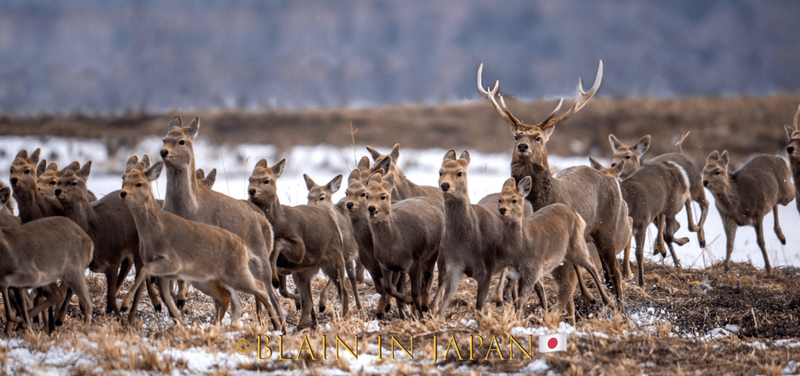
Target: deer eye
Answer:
pixel 164 141
pixel 27 172
pixel 538 138
pixel 513 201
pixel 74 183
pixel 363 195
pixel 266 181
pixel 322 198
pixel 181 142
pixel 516 137
pixel 138 185
pixel 440 173
pixel 716 172
pixel 383 198
pixel 53 182
pixel 627 157
pixel 458 174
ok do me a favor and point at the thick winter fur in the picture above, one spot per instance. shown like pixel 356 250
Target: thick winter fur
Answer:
pixel 32 204
pixel 632 156
pixel 321 195
pixel 745 196
pixel 537 245
pixel 306 236
pixel 407 237
pixel 31 260
pixel 191 200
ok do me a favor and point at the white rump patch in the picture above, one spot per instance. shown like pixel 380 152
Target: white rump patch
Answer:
pixel 685 177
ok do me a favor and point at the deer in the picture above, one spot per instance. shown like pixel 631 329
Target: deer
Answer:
pixel 406 236
pixel 213 259
pixel 654 193
pixel 47 181
pixel 632 155
pixel 793 150
pixel 187 198
pixel 321 195
pixel 31 260
pixel 539 244
pixel 355 203
pixel 743 197
pixel 306 237
pixel 32 204
pixel 472 237
pixel 206 181
pixel 595 196
pixel 109 224
pixel 403 187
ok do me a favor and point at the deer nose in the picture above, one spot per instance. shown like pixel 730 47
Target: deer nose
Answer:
pixel 445 187
pixel 164 153
pixel 349 205
pixel 13 180
pixel 123 194
pixel 252 191
pixel 790 149
pixel 502 210
pixel 705 183
pixel 58 191
pixel 372 209
pixel 522 148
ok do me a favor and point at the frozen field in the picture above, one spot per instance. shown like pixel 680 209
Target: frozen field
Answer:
pixel 486 175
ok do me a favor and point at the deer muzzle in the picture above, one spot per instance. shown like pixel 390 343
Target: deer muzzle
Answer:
pixel 445 187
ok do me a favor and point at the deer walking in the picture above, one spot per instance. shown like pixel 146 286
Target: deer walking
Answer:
pixel 743 197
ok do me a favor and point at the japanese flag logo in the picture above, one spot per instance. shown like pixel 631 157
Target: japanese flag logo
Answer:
pixel 552 343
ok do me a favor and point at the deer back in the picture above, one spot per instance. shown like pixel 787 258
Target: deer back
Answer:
pixel 656 188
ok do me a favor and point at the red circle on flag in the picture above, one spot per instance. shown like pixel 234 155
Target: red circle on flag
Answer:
pixel 552 343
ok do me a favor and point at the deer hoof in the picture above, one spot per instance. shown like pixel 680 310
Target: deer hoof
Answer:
pixel 702 244
pixel 59 323
pixel 276 284
pixel 123 309
pixel 380 316
pixel 425 309
pixel 297 306
pixel 783 241
pixel 180 303
pixel 35 320
pixel 321 308
pixel 499 303
pixel 157 307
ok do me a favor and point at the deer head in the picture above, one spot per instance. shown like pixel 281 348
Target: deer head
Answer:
pixel 385 162
pixel 321 195
pixel 453 174
pixel 512 199
pixel 715 172
pixel 793 149
pixel 71 186
pixel 206 181
pixel 615 171
pixel 530 140
pixel 262 188
pixel 630 154
pixel 23 171
pixel 48 178
pixel 178 149
pixel 137 184
pixel 379 196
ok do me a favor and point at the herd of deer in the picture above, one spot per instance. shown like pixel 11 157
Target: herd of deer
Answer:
pixel 540 222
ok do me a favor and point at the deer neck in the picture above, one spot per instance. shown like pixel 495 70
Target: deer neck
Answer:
pixel 459 216
pixel 182 189
pixel 728 198
pixel 30 205
pixel 81 213
pixel 402 187
pixel 542 192
pixel 273 210
pixel 384 231
pixel 147 217
pixel 513 236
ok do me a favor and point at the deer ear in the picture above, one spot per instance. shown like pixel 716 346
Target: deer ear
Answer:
pixel 74 166
pixel 363 164
pixel 713 156
pixel 614 142
pixel 200 174
pixel 524 186
pixel 465 156
pixel 35 155
pixel 618 167
pixel 389 179
pixel 355 175
pixel 5 195
pixel 277 169
pixel 154 172
pixel 789 131
pixel 211 178
pixel 643 144
pixel 193 127
pixel 262 163
pixel 86 170
pixel 40 169
pixel 383 164
pixel 395 153
pixel 176 122
pixel 309 183
pixel 336 183
pixel 724 158
pixel 53 166
pixel 146 160
pixel 132 160
pixel 510 183
pixel 375 178
pixel 22 154
pixel 450 155
pixel 375 154
pixel 595 164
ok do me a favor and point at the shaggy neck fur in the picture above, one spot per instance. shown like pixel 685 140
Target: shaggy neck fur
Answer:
pixel 541 193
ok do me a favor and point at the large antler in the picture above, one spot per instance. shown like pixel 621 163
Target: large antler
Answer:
pixel 549 121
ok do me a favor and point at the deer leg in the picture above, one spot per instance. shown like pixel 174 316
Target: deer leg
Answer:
pixel 220 295
pixel 159 267
pixel 527 280
pixel 701 235
pixel 54 296
pixel 639 233
pixel 7 306
pixel 730 237
pixel 484 279
pixel 415 275
pixel 62 311
pixel 323 296
pixel 153 294
pixel 499 291
pixel 392 288
pixel 579 256
pixel 399 279
pixel 658 247
pixel 539 288
pixel 76 281
pixel 426 282
pixel 303 283
pixel 760 239
pixel 626 261
pixel 566 281
pixel 352 275
pixel 137 295
pixel 124 269
pixel 671 227
pixel 778 231
pixel 180 299
pixel 453 277
pixel 111 290
pixel 690 218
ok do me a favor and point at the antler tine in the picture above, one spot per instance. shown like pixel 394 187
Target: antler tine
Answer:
pixel 796 116
pixel 490 95
pixel 581 101
pixel 549 117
